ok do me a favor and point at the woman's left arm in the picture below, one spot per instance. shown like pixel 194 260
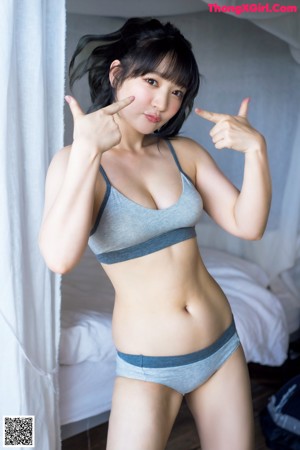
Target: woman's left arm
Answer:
pixel 252 204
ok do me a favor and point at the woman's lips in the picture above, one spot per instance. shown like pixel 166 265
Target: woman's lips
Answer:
pixel 152 118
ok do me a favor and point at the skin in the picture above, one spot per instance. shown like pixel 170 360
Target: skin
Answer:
pixel 166 302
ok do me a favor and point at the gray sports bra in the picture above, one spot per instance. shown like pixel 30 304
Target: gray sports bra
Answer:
pixel 125 230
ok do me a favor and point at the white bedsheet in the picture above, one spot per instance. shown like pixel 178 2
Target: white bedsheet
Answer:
pixel 85 336
pixel 223 265
pixel 260 318
pixel 85 389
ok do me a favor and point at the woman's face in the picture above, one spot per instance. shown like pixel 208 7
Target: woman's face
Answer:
pixel 157 100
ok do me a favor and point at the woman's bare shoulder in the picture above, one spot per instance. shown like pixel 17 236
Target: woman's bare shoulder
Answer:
pixel 62 156
pixel 57 169
pixel 189 149
pixel 59 162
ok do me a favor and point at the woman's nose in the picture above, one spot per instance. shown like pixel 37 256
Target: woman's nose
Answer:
pixel 160 101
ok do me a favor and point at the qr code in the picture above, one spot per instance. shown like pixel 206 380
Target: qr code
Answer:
pixel 18 431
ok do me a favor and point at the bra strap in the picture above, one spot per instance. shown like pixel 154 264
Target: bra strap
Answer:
pixel 174 155
pixel 104 175
pixel 105 200
pixel 177 161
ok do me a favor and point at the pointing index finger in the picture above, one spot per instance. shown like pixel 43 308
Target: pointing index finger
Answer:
pixel 117 106
pixel 243 111
pixel 211 116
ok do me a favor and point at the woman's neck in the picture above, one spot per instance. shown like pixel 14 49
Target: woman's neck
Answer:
pixel 133 140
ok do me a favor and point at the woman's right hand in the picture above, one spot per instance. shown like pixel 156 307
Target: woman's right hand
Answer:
pixel 98 128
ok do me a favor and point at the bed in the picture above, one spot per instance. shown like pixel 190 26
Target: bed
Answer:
pixel 266 315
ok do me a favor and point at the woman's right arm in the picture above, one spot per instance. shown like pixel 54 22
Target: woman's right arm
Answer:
pixel 70 186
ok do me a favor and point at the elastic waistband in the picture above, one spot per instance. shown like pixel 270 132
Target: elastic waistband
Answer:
pixel 179 360
pixel 150 246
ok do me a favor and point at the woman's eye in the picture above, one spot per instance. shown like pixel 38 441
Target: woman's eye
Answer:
pixel 152 81
pixel 178 94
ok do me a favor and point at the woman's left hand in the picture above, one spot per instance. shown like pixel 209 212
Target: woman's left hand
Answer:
pixel 234 132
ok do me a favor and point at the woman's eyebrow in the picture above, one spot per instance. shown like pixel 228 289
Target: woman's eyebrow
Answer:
pixel 162 75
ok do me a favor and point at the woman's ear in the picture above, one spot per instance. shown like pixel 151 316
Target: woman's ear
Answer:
pixel 113 70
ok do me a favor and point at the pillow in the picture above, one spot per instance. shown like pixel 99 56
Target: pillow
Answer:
pixel 85 336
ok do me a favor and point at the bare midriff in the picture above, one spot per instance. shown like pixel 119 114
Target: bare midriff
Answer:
pixel 167 303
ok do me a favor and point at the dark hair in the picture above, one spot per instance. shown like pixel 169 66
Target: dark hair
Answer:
pixel 140 46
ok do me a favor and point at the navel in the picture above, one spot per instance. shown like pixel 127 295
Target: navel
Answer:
pixel 186 309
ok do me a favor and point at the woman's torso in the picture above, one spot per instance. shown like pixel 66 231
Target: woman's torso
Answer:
pixel 166 301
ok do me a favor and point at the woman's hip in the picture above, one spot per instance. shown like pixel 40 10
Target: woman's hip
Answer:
pixel 185 372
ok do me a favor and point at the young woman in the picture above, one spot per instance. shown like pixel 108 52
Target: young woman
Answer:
pixel 134 190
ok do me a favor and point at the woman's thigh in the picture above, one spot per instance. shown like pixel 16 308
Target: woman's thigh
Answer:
pixel 142 415
pixel 222 407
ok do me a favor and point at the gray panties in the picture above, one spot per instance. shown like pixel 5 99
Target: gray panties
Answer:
pixel 183 373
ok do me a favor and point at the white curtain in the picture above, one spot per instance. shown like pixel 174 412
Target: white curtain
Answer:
pixel 238 59
pixel 285 25
pixel 32 36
